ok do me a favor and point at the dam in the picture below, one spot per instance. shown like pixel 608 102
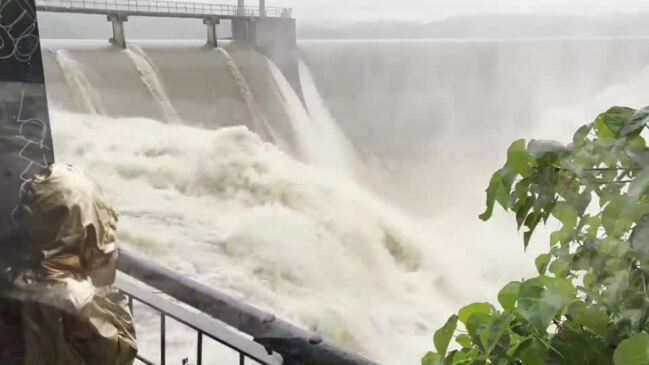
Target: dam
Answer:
pixel 270 30
pixel 27 149
pixel 366 254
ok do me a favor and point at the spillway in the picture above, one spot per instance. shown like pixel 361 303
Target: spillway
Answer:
pixel 350 209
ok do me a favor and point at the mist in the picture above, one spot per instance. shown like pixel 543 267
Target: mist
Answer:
pixel 348 207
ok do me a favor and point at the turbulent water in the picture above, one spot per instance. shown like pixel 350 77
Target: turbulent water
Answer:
pixel 352 210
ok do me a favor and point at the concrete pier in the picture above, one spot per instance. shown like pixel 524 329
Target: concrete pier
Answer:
pixel 271 30
pixel 212 39
pixel 241 30
pixel 276 38
pixel 119 37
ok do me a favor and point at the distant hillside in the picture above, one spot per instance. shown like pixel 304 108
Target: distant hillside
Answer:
pixel 487 26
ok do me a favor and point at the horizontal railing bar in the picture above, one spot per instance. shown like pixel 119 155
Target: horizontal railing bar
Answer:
pixel 296 345
pixel 162 7
pixel 209 326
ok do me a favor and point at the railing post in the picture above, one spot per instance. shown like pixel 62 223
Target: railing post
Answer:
pixel 199 349
pixel 163 339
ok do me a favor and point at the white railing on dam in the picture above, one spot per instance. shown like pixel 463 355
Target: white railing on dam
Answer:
pixel 159 8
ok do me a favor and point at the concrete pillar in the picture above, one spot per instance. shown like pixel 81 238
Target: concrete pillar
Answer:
pixel 241 7
pixel 262 8
pixel 240 29
pixel 119 37
pixel 212 39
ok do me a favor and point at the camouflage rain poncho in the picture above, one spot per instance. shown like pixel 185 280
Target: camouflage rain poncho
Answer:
pixel 62 308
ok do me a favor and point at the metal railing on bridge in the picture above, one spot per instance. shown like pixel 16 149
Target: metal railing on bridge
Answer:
pixel 271 341
pixel 203 325
pixel 159 8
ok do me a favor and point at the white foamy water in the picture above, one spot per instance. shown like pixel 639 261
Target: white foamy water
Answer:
pixel 261 124
pixel 151 79
pixel 319 140
pixel 237 213
pixel 560 122
pixel 340 154
pixel 84 93
pixel 290 229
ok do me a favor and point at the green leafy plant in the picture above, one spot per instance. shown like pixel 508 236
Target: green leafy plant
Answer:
pixel 589 303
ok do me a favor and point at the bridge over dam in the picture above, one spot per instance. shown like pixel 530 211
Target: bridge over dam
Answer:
pixel 270 30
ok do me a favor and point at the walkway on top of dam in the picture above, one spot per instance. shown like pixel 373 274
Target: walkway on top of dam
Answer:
pixel 162 8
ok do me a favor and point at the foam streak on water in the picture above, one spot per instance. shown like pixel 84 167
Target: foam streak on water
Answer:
pixel 231 211
pixel 341 155
pixel 151 79
pixel 311 146
pixel 293 233
pixel 262 127
pixel 84 93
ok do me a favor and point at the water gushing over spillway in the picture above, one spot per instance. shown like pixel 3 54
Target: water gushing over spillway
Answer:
pixel 85 94
pixel 151 79
pixel 289 226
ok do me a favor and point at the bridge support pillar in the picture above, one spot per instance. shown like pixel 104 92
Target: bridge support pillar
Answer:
pixel 241 7
pixel 212 39
pixel 119 37
pixel 241 30
pixel 262 8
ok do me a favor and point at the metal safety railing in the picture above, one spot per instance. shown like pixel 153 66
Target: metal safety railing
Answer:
pixel 294 344
pixel 203 325
pixel 151 7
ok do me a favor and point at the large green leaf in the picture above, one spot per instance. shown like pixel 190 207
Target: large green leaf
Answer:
pixel 496 330
pixel 615 120
pixel 542 262
pixel 638 188
pixel 561 286
pixel 633 351
pixel 464 341
pixel 518 160
pixel 443 335
pixel 565 213
pixel 579 138
pixel 538 305
pixel 467 311
pixel 532 352
pixel 508 295
pixel 615 217
pixel 432 358
pixel 636 122
pixel 602 130
pixel 467 357
pixel 531 222
pixel 640 238
pixel 616 285
pixel 594 319
pixel 570 347
pixel 496 192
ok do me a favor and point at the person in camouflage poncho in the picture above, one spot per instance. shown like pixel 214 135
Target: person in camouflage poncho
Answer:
pixel 60 305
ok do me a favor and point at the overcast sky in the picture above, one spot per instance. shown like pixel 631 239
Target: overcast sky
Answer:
pixel 427 10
